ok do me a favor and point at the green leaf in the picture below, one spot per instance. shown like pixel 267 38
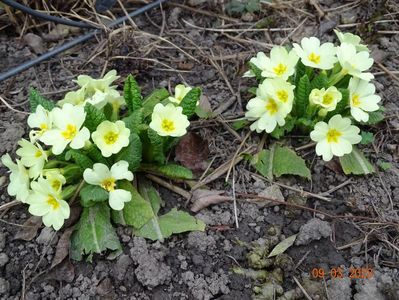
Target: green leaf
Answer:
pixel 189 102
pixel 95 155
pixel 300 70
pixel 93 233
pixel 132 94
pixel 283 245
pixel 136 212
pixel 156 146
pixel 356 163
pixel 132 153
pixel 279 161
pixel 256 71
pixel 375 117
pixel 94 117
pixel 173 222
pixel 252 6
pixel 281 131
pixel 153 99
pixel 237 125
pixel 367 137
pixel 286 161
pixel 302 92
pixel 384 165
pixel 90 194
pixel 263 163
pixel 172 171
pixel 35 100
pixel 134 120
pixel 252 90
pixel 80 159
pixel 320 81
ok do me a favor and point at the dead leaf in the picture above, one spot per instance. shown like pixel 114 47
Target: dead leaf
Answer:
pixel 29 229
pixel 185 65
pixel 59 32
pixel 334 166
pixel 192 151
pixel 204 198
pixel 34 42
pixel 283 245
pixel 62 272
pixel 62 249
pixel 205 104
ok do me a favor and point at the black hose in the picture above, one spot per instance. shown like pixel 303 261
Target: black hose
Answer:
pixel 44 16
pixel 76 41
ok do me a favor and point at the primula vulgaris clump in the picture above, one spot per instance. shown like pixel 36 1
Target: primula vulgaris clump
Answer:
pixel 88 147
pixel 321 89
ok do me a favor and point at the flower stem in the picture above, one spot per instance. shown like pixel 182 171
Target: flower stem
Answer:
pixel 334 79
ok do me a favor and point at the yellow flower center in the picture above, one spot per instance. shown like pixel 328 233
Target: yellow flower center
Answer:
pixel 282 95
pixel 70 132
pixel 333 135
pixel 327 99
pixel 43 126
pixel 314 58
pixel 38 153
pixel 53 203
pixel 356 100
pixel 168 125
pixel 280 69
pixel 271 107
pixel 56 184
pixel 111 137
pixel 108 184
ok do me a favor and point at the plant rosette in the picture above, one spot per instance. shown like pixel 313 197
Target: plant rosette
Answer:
pixel 92 149
pixel 317 89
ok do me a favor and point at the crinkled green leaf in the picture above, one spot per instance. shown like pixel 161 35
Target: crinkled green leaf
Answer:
pixel 287 162
pixel 384 165
pixel 90 194
pixel 283 245
pixel 95 155
pixel 136 212
pixel 375 117
pixel 189 102
pixel 132 153
pixel 320 81
pixel 132 94
pixel 35 99
pixel 82 160
pixel 94 117
pixel 367 137
pixel 93 233
pixel 159 228
pixel 134 120
pixel 173 222
pixel 156 147
pixel 281 131
pixel 172 171
pixel 300 70
pixel 153 99
pixel 302 92
pixel 262 162
pixel 279 161
pixel 356 163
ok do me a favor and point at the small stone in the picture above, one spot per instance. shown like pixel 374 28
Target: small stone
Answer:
pixel 314 229
pixel 2 240
pixel 4 286
pixel 45 236
pixel 3 259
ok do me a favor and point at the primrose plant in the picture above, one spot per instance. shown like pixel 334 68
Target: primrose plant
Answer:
pixel 88 155
pixel 319 89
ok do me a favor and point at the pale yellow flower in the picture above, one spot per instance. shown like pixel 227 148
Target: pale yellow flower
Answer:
pixel 180 92
pixel 169 120
pixel 353 39
pixel 102 176
pixel 19 178
pixel 354 63
pixel 314 55
pixel 335 138
pixel 68 129
pixel 40 121
pixel 32 156
pixel 326 99
pixel 47 203
pixel 110 137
